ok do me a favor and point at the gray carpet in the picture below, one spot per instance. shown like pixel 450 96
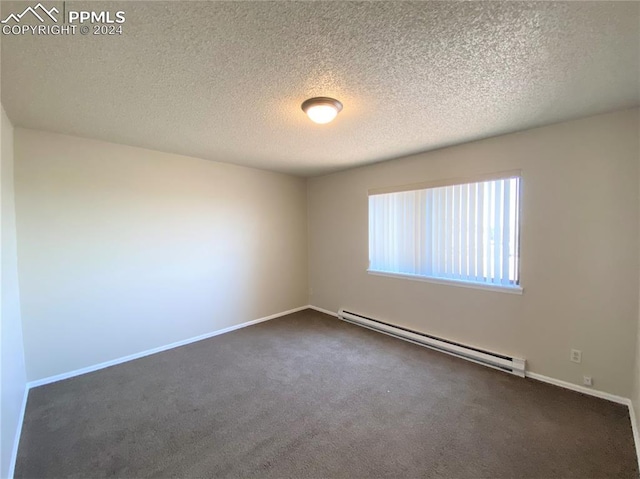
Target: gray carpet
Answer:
pixel 308 396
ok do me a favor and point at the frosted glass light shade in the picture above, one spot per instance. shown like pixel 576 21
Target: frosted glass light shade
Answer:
pixel 321 109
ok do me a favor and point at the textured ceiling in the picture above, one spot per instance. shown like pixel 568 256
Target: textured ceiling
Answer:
pixel 224 81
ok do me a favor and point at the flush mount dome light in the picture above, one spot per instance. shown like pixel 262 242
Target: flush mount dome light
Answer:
pixel 321 109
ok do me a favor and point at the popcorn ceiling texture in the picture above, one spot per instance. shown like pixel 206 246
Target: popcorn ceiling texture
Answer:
pixel 224 80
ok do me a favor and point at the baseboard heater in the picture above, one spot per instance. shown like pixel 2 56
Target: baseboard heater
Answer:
pixel 498 361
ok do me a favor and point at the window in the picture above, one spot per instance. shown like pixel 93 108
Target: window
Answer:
pixel 467 232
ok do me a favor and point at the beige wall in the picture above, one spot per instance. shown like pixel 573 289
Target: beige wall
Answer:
pixel 13 379
pixel 124 249
pixel 635 397
pixel 579 247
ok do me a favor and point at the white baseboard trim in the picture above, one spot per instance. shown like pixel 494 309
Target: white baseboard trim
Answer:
pixel 580 389
pixel 131 357
pixel 16 440
pixel 325 311
pixel 634 428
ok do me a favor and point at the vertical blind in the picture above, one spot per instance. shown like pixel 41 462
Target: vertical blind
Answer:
pixel 466 232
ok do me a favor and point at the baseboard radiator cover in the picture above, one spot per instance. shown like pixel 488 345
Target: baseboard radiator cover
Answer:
pixel 502 362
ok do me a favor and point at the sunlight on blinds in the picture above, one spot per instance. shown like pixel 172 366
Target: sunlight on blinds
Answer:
pixel 465 232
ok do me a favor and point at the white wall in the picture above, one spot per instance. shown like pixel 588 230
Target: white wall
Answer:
pixel 13 381
pixel 579 247
pixel 124 249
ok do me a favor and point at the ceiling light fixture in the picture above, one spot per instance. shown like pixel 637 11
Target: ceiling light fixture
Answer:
pixel 321 109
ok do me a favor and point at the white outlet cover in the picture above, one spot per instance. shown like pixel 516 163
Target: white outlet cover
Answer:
pixel 576 355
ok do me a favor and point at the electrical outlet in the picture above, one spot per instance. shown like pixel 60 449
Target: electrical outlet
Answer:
pixel 587 381
pixel 576 355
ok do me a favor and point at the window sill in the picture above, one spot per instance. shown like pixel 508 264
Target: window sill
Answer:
pixel 451 282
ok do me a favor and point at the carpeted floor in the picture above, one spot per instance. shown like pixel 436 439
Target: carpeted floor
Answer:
pixel 309 396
